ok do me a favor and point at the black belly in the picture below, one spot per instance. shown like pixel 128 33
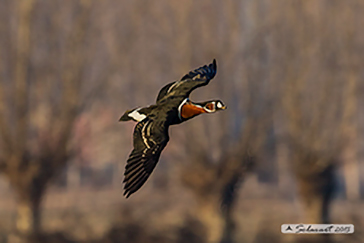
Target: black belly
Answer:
pixel 172 117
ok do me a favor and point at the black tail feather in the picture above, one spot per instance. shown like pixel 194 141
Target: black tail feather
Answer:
pixel 125 117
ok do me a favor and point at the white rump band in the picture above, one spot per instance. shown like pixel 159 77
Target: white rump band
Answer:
pixel 136 115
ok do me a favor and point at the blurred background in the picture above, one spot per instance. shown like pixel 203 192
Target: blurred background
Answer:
pixel 288 149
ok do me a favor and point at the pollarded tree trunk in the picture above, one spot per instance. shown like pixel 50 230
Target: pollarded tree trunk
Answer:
pixel 29 177
pixel 215 211
pixel 228 203
pixel 28 217
pixel 208 213
pixel 214 187
pixel 29 197
pixel 205 185
pixel 229 228
pixel 316 191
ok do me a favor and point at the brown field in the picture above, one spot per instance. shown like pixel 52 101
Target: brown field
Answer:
pixel 103 215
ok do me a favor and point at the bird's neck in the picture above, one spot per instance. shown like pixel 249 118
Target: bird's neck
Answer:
pixel 189 109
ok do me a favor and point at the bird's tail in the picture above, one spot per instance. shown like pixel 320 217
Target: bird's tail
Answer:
pixel 126 116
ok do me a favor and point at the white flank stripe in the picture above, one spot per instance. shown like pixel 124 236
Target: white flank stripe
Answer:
pixel 136 115
pixel 145 140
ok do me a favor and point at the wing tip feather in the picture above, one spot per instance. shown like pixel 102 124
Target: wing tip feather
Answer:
pixel 207 71
pixel 214 64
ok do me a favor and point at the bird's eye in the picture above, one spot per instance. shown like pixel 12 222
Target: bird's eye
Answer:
pixel 219 105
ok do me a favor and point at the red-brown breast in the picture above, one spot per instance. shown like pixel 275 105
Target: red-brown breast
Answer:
pixel 190 110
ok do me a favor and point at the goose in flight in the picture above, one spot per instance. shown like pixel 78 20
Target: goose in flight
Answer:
pixel 172 107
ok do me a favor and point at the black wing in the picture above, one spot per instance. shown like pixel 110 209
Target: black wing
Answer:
pixel 150 139
pixel 194 79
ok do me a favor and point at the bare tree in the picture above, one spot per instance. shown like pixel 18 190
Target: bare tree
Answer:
pixel 219 150
pixel 298 61
pixel 317 77
pixel 40 98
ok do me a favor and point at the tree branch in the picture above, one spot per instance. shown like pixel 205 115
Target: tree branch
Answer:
pixel 72 76
pixel 21 76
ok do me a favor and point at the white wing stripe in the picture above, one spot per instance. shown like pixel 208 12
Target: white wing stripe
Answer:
pixel 172 86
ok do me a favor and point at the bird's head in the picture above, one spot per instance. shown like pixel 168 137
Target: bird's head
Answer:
pixel 213 106
pixel 191 109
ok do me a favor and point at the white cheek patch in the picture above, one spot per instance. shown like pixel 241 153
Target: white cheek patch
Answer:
pixel 210 110
pixel 219 105
pixel 136 115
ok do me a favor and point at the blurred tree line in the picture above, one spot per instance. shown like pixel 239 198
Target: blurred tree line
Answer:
pixel 289 71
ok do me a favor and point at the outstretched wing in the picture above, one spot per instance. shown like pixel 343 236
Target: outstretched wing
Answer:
pixel 150 139
pixel 202 73
pixel 194 79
